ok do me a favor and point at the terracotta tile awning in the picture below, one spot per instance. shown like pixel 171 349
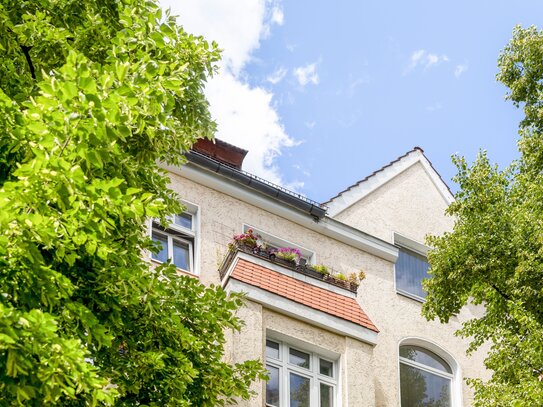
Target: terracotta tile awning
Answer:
pixel 298 291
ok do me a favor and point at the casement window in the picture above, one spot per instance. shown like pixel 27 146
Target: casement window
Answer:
pixel 299 378
pixel 178 241
pixel 411 268
pixel 426 379
pixel 274 242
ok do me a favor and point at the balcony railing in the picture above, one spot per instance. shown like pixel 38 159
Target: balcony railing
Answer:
pixel 269 256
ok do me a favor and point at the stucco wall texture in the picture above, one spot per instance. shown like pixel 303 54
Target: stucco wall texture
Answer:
pixel 410 205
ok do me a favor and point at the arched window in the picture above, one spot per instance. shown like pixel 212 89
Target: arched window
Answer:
pixel 426 379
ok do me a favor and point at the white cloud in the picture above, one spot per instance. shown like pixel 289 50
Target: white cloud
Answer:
pixel 299 168
pixel 460 69
pixel 246 116
pixel 237 26
pixel 434 107
pixel 277 76
pixel 310 124
pixel 277 15
pixel 307 74
pixel 424 59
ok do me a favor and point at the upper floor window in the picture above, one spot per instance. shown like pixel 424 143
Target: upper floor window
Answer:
pixel 426 379
pixel 411 267
pixel 299 378
pixel 178 241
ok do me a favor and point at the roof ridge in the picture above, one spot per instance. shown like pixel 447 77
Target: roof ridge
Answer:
pixel 380 170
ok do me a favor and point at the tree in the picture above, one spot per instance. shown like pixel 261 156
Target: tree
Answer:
pixel 92 95
pixel 494 255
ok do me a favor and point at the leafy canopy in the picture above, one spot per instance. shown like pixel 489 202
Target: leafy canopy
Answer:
pixel 92 95
pixel 494 255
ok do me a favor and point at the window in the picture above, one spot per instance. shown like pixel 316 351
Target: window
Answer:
pixel 178 240
pixel 411 268
pixel 299 378
pixel 426 379
pixel 274 242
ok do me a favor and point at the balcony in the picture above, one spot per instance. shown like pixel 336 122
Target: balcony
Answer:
pixel 297 291
pixel 301 267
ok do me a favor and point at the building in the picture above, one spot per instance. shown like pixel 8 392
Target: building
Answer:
pixel 326 342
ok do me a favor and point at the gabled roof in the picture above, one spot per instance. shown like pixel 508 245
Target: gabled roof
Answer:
pixel 378 178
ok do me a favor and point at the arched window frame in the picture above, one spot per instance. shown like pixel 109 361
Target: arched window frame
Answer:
pixel 456 377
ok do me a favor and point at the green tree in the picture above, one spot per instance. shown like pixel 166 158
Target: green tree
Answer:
pixel 494 255
pixel 92 95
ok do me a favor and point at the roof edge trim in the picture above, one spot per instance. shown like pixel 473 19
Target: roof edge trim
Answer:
pixel 326 226
pixel 313 208
pixel 361 189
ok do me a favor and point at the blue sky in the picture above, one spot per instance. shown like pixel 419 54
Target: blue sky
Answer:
pixel 324 93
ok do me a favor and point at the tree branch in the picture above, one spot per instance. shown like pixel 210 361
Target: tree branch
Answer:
pixel 26 51
pixel 501 292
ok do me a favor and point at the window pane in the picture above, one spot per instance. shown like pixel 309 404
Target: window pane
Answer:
pixel 181 255
pixel 425 357
pixel 162 255
pixel 184 219
pixel 326 395
pixel 272 350
pixel 299 358
pixel 421 388
pixel 411 269
pixel 326 368
pixel 272 386
pixel 299 391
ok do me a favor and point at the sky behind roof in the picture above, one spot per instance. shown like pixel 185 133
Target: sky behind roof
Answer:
pixel 324 93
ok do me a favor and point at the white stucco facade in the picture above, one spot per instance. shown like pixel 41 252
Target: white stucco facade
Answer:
pixel 409 203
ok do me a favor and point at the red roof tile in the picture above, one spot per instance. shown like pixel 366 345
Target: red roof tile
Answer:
pixel 303 293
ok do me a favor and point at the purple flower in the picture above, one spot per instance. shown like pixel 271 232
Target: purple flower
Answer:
pixel 287 252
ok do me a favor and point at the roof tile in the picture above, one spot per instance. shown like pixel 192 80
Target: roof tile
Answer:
pixel 301 292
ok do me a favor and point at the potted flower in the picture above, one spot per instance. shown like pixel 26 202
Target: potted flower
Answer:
pixel 248 239
pixel 289 254
pixel 354 279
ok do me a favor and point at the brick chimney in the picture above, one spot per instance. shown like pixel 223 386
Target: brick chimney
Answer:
pixel 221 151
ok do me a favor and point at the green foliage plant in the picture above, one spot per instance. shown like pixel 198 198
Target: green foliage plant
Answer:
pixel 340 276
pixel 93 94
pixel 322 269
pixel 494 255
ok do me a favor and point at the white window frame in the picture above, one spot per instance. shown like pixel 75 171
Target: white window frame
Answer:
pixel 171 238
pixel 276 241
pixel 413 246
pixel 313 374
pixel 455 376
pixel 192 237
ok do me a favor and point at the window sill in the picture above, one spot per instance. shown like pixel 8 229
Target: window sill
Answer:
pixel 156 263
pixel 411 296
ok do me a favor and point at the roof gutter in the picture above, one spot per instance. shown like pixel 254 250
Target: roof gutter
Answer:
pixel 313 209
pixel 324 225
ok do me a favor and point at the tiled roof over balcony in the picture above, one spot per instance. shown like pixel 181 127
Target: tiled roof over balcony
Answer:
pixel 297 294
pixel 304 293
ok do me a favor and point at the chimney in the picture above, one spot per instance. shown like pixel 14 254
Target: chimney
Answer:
pixel 221 151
